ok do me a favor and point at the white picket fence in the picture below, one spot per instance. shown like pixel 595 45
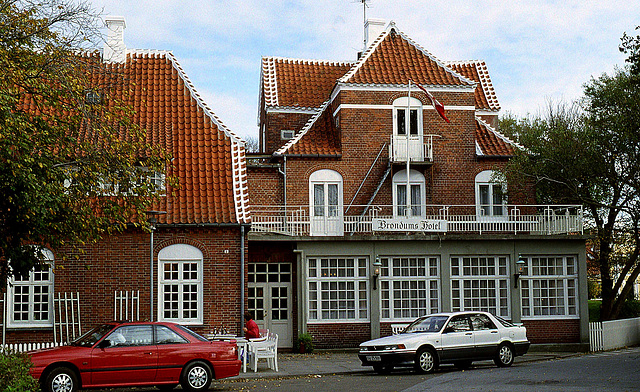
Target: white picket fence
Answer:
pixel 24 347
pixel 610 335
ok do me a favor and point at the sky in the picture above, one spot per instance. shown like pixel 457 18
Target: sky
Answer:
pixel 536 51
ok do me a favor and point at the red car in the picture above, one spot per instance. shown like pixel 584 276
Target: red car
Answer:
pixel 127 354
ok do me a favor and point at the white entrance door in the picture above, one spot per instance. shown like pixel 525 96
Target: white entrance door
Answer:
pixel 270 299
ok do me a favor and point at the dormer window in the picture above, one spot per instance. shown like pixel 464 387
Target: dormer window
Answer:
pixel 92 97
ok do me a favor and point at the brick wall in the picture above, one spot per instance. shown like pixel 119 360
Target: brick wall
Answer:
pixel 345 335
pixel 122 262
pixel 553 331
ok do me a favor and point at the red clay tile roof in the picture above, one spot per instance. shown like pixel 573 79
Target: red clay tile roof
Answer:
pixel 319 137
pixel 394 59
pixel 208 158
pixel 491 143
pixel 476 70
pixel 299 83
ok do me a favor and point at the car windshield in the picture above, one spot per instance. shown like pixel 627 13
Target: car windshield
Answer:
pixel 90 338
pixel 427 324
pixel 195 335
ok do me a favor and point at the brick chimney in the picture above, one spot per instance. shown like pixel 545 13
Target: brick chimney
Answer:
pixel 114 49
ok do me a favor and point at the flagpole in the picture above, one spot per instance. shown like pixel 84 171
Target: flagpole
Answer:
pixel 407 129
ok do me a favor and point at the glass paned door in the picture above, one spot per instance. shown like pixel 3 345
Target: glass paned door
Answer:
pixel 327 211
pixel 270 299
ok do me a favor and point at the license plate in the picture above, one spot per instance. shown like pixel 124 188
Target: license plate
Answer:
pixel 374 358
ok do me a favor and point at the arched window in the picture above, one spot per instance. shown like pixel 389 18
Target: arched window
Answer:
pixel 491 194
pixel 31 297
pixel 325 199
pixel 416 193
pixel 180 284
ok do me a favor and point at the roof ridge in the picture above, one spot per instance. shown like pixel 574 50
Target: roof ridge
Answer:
pixel 315 61
pixel 371 49
pixel 304 130
pixel 485 81
pixel 499 134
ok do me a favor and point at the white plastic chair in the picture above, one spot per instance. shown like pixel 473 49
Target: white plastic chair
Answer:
pixel 264 349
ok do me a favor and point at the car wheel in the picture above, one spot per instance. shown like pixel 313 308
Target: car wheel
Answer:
pixel 383 369
pixel 505 356
pixel 61 379
pixel 426 361
pixel 196 377
pixel 463 365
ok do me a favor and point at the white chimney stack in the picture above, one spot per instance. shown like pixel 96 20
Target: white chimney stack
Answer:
pixel 372 29
pixel 114 49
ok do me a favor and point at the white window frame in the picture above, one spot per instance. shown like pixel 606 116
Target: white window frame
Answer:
pixel 481 283
pixel 409 287
pixel 415 179
pixel 560 278
pixel 400 105
pixel 328 281
pixel 31 284
pixel 180 254
pixel 488 210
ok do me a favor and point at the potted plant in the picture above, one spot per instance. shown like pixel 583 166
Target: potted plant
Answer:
pixel 305 343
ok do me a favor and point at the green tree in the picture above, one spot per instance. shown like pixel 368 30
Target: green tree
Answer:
pixel 73 165
pixel 589 153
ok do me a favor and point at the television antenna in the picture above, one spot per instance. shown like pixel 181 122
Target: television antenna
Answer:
pixel 364 19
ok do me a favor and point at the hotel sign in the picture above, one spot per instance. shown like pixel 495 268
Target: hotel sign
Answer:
pixel 409 224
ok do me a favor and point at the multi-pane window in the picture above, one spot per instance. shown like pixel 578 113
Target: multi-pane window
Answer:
pixel 416 196
pixel 32 298
pixel 409 287
pixel 338 289
pixel 480 283
pixel 490 195
pixel 180 285
pixel 549 286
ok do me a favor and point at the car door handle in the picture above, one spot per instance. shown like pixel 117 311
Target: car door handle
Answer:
pixel 494 331
pixel 468 334
pixel 148 353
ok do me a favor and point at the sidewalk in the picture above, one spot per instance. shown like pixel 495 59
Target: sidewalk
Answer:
pixel 346 361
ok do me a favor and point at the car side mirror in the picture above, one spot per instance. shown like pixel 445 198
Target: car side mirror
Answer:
pixel 105 343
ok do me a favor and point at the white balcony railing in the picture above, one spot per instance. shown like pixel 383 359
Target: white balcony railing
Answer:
pixel 418 150
pixel 524 219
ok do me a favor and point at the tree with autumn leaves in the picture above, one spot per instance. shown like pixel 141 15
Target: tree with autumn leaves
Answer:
pixel 588 153
pixel 73 165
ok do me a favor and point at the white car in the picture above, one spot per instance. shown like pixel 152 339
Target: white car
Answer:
pixel 459 338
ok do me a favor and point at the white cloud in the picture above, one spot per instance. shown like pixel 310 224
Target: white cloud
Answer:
pixel 534 50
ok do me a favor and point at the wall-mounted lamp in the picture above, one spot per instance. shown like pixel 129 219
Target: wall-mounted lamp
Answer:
pixel 520 264
pixel 376 272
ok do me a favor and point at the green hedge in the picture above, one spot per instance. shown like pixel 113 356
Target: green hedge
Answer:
pixel 14 373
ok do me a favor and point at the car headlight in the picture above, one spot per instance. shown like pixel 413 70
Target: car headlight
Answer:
pixel 395 347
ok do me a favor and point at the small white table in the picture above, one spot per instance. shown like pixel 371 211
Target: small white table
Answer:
pixel 241 342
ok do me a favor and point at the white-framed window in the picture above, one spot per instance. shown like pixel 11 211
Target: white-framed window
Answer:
pixel 417 193
pixel 409 287
pixel 338 289
pixel 480 283
pixel 400 108
pixel 549 287
pixel 287 134
pixel 31 298
pixel 491 195
pixel 180 288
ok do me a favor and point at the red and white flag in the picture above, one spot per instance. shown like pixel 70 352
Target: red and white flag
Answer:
pixel 436 105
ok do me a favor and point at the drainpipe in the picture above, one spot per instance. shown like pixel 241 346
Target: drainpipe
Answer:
pixel 284 188
pixel 242 268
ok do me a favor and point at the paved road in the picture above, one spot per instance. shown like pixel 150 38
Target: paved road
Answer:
pixel 611 371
